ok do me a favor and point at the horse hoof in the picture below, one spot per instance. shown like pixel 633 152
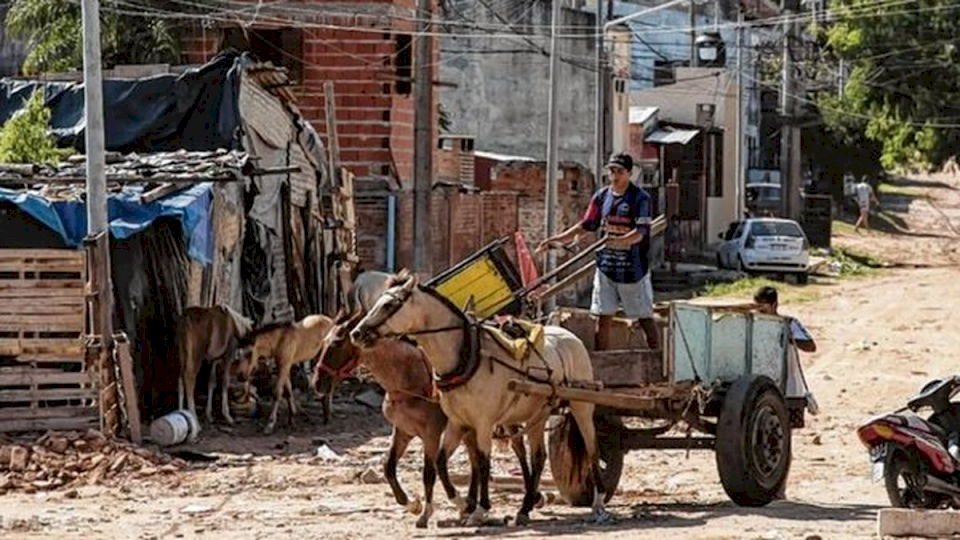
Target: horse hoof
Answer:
pixel 425 517
pixel 415 507
pixel 477 518
pixel 523 520
pixel 422 523
pixel 541 501
pixel 601 516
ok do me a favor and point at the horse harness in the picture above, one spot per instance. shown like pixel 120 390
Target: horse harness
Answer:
pixel 469 358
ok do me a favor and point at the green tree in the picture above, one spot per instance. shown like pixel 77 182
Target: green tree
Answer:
pixel 54 31
pixel 24 137
pixel 903 89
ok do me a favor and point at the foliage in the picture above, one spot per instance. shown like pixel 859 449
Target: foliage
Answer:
pixel 903 89
pixel 24 137
pixel 54 30
pixel 745 288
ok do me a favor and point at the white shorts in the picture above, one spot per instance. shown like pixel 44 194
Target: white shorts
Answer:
pixel 636 299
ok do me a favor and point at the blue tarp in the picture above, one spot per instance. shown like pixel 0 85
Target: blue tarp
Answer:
pixel 127 216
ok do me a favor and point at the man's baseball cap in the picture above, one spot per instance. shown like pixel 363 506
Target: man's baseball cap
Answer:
pixel 621 159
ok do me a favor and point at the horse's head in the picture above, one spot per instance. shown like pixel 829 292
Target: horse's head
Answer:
pixel 247 362
pixel 338 355
pixel 395 312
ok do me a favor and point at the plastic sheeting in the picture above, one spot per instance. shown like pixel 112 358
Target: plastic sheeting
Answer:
pixel 195 110
pixel 127 215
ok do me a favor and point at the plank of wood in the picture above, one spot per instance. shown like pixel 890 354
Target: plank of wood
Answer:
pixel 48 376
pixel 23 413
pixel 605 398
pixel 63 322
pixel 636 367
pixel 54 424
pixel 48 394
pixel 32 305
pixel 45 265
pixel 19 291
pixel 48 358
pixel 161 191
pixel 131 403
pixel 41 346
pixel 62 285
pixel 67 254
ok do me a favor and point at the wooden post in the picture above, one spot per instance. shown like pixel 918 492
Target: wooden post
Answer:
pixel 121 355
pixel 333 141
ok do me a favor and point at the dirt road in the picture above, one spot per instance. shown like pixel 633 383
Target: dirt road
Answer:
pixel 879 340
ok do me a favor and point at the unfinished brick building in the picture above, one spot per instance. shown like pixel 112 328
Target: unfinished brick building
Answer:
pixel 366 49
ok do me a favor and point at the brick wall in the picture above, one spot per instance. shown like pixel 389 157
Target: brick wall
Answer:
pixel 374 105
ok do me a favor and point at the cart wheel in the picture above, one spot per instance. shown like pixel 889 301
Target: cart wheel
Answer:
pixel 577 489
pixel 753 441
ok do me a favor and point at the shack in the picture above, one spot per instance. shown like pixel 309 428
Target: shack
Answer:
pixel 219 192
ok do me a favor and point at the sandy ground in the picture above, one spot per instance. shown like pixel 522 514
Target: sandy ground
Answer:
pixel 879 338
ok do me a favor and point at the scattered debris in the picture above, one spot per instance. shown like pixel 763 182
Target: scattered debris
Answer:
pixel 73 459
pixel 371 476
pixel 816 440
pixel 196 509
pixel 326 453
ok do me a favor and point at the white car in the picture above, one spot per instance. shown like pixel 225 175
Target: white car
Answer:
pixel 765 245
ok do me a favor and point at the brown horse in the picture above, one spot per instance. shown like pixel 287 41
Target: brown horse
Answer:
pixel 208 335
pixel 411 406
pixel 289 344
pixel 479 401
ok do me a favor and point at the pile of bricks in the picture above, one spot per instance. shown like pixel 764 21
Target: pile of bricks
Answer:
pixel 65 460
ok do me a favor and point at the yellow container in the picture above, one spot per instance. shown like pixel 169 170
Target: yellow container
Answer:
pixel 488 276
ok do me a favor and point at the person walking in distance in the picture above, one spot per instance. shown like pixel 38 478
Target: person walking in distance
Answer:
pixel 865 196
pixel 621 210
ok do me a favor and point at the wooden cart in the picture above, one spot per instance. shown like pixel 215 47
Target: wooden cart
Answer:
pixel 719 384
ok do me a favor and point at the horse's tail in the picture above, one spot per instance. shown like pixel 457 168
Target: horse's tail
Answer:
pixel 569 463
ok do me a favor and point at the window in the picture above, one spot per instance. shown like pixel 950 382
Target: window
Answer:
pixel 776 228
pixel 664 72
pixel 404 64
pixel 282 47
pixel 466 145
pixel 446 144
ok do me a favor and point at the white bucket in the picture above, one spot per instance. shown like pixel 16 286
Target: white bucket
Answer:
pixel 174 428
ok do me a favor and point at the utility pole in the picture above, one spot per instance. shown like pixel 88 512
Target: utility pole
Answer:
pixel 601 80
pixel 96 174
pixel 740 178
pixel 786 114
pixel 693 33
pixel 553 133
pixel 423 140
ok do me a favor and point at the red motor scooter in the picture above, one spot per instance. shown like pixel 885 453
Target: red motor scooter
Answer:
pixel 918 458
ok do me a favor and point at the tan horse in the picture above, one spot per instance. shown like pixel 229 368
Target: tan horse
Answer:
pixel 411 406
pixel 208 335
pixel 289 344
pixel 478 400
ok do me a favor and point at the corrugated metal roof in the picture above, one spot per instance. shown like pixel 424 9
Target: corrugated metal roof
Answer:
pixel 639 115
pixel 672 136
pixel 501 157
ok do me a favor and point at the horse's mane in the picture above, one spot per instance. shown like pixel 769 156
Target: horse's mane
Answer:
pixel 400 278
pixel 243 324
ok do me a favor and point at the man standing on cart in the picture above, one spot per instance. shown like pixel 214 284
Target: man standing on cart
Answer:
pixel 622 278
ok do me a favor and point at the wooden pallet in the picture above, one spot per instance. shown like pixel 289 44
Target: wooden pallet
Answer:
pixel 44 381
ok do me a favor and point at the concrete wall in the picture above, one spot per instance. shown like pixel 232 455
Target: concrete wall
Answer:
pixel 678 103
pixel 501 97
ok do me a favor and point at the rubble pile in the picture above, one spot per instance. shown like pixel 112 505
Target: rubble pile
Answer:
pixel 64 460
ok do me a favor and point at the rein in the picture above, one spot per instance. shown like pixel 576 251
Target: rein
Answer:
pixel 342 371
